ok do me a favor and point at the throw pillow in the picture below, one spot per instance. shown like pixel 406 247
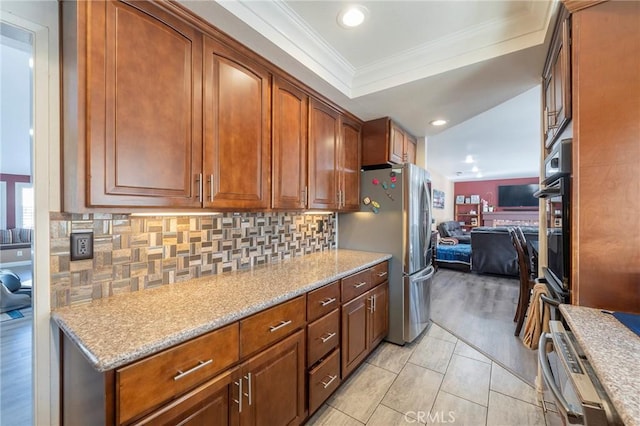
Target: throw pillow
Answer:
pixel 6 236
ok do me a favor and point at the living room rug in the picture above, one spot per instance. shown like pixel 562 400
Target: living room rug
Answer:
pixel 11 315
pixel 479 310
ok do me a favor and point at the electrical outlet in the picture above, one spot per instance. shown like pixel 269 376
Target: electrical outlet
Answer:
pixel 81 245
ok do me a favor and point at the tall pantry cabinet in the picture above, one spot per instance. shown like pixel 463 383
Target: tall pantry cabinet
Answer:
pixel 605 54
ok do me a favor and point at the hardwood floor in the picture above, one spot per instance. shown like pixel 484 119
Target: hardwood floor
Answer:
pixel 479 310
pixel 16 372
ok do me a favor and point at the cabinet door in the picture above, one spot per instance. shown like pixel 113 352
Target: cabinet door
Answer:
pixel 274 386
pixel 355 340
pixel 410 149
pixel 290 121
pixel 237 130
pixel 379 314
pixel 208 404
pixel 350 143
pixel 396 145
pixel 143 102
pixel 324 132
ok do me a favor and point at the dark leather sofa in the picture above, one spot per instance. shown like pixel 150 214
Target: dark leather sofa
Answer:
pixel 492 251
pixel 453 229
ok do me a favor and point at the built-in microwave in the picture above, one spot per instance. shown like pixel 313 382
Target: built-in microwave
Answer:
pixel 558 162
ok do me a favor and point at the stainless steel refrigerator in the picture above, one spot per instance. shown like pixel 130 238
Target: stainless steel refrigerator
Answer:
pixel 395 217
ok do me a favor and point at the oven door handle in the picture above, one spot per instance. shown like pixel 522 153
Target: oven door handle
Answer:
pixel 547 376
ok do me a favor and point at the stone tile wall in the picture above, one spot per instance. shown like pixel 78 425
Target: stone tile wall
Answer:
pixel 133 253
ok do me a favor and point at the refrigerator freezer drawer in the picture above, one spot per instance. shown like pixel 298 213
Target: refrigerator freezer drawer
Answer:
pixel 417 303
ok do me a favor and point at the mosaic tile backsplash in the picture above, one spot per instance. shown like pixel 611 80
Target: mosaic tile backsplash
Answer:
pixel 133 253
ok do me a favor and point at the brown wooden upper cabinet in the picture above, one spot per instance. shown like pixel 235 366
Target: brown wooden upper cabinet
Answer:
pixel 334 159
pixel 290 136
pixel 132 106
pixel 385 142
pixel 237 130
pixel 161 110
pixel 557 80
pixel 349 163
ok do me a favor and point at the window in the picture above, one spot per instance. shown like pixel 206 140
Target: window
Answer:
pixel 24 205
pixel 3 204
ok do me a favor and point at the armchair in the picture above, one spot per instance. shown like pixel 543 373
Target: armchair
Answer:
pixel 453 229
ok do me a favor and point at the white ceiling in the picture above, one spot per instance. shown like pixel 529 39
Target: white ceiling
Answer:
pixel 415 61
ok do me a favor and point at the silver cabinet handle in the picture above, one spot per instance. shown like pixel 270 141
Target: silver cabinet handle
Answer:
pixel 211 187
pixel 200 365
pixel 200 187
pixel 273 328
pixel 382 274
pixel 304 196
pixel 328 301
pixel 331 379
pixel 248 395
pixel 239 400
pixel 360 284
pixel 329 337
pixel 371 307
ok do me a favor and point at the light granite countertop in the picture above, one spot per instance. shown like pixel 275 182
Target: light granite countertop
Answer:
pixel 120 329
pixel 614 353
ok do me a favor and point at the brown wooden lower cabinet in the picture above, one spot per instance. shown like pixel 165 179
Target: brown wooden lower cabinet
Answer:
pixel 324 378
pixel 207 380
pixel 208 404
pixel 364 325
pixel 273 387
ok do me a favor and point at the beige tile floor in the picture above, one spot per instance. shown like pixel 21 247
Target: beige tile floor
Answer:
pixel 438 379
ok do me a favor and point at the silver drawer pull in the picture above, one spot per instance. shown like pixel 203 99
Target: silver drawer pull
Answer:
pixel 331 379
pixel 382 274
pixel 200 365
pixel 239 400
pixel 273 328
pixel 360 284
pixel 326 339
pixel 328 301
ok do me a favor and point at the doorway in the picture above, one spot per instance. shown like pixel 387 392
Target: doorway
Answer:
pixel 17 212
pixel 40 20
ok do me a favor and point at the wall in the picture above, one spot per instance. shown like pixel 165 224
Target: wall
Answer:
pixel 441 183
pixel 488 189
pixel 133 253
pixel 15 110
pixel 8 210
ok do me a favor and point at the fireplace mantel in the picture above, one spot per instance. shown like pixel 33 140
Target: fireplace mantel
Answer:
pixel 515 217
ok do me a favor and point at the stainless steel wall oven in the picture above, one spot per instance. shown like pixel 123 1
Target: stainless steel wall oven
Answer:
pixel 556 190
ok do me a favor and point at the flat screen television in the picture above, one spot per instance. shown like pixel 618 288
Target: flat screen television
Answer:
pixel 517 195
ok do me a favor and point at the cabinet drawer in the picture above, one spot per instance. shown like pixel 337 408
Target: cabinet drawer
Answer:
pixel 322 336
pixel 323 300
pixel 355 285
pixel 147 383
pixel 379 273
pixel 323 380
pixel 271 325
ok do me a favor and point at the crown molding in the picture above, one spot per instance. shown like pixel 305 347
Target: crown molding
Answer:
pixel 276 21
pixel 283 26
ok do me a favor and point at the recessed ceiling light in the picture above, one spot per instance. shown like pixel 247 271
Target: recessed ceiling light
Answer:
pixel 474 169
pixel 352 16
pixel 438 122
pixel 468 159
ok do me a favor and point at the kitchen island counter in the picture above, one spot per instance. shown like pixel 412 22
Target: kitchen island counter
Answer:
pixel 115 331
pixel 614 353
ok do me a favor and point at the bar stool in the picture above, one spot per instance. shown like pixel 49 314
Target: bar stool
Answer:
pixel 526 282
